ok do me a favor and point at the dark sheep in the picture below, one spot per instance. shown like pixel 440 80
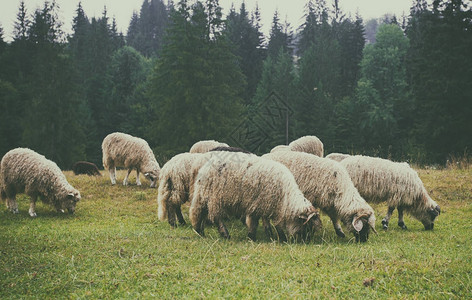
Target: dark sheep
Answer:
pixel 87 168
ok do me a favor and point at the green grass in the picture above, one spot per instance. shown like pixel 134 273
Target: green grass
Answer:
pixel 114 247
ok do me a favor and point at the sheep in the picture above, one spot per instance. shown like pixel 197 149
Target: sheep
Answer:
pixel 250 186
pixel 280 148
pixel 205 146
pixel 24 170
pixel 380 180
pixel 176 181
pixel 176 185
pixel 309 144
pixel 85 167
pixel 337 156
pixel 328 186
pixel 123 150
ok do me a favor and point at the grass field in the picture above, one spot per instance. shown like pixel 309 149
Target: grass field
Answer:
pixel 114 247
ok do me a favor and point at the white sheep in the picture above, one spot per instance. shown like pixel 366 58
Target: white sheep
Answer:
pixel 24 170
pixel 380 180
pixel 133 153
pixel 337 156
pixel 328 186
pixel 309 144
pixel 250 186
pixel 176 181
pixel 176 185
pixel 280 148
pixel 205 146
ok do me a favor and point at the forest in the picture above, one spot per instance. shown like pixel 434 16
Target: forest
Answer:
pixel 182 73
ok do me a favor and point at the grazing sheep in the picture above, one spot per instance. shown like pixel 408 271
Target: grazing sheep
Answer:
pixel 123 150
pixel 280 148
pixel 380 180
pixel 337 156
pixel 23 170
pixel 309 144
pixel 328 186
pixel 250 186
pixel 85 167
pixel 176 185
pixel 205 146
pixel 176 181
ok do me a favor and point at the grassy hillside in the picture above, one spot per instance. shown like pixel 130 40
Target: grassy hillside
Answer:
pixel 114 247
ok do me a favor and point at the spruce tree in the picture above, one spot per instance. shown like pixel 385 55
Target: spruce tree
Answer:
pixel 51 120
pixel 280 38
pixel 247 44
pixel 382 96
pixel 146 31
pixel 440 71
pixel 196 85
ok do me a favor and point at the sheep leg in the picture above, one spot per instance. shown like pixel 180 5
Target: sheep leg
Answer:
pixel 387 217
pixel 281 234
pixel 222 229
pixel 267 227
pixel 400 218
pixel 171 216
pixel 125 181
pixel 252 223
pixel 32 208
pixel 138 181
pixel 112 171
pixel 180 217
pixel 337 227
pixel 12 204
pixel 197 215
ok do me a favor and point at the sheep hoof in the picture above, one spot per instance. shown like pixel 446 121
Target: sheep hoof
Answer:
pixel 15 210
pixel 32 214
pixel 340 234
pixel 384 224
pixel 402 225
pixel 252 236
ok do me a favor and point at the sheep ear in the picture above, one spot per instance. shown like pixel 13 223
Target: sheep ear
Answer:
pixel 357 223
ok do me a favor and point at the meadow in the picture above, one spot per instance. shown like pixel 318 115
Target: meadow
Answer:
pixel 115 247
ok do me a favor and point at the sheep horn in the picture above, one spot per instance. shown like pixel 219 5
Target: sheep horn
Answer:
pixel 372 223
pixel 309 217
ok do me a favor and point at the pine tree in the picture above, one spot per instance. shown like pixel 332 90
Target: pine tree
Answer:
pixel 382 96
pixel 247 44
pixel 50 125
pixel 3 44
pixel 127 71
pixel 196 84
pixel 22 23
pixel 280 38
pixel 91 46
pixel 440 71
pixel 146 31
pixel 273 102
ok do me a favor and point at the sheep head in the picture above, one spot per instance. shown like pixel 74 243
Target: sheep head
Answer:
pixel 429 213
pixel 361 223
pixel 68 201
pixel 151 172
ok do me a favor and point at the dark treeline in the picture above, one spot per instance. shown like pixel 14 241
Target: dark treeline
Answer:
pixel 182 73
